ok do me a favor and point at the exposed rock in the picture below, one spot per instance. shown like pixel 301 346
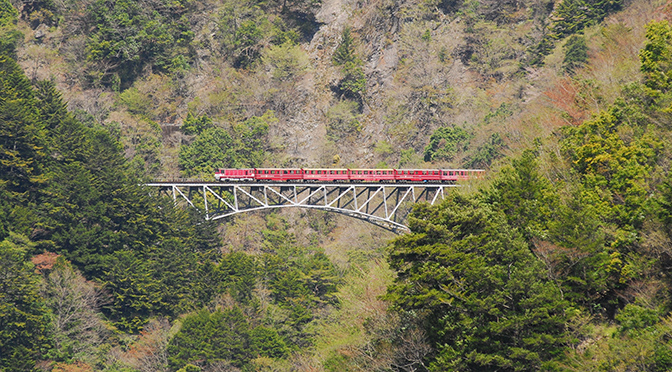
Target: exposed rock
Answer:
pixel 41 31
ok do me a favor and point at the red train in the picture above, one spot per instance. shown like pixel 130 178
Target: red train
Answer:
pixel 346 175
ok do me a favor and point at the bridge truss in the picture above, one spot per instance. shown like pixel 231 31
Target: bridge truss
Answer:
pixel 385 205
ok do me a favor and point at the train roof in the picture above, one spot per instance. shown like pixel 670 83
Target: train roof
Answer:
pixel 279 168
pixel 325 168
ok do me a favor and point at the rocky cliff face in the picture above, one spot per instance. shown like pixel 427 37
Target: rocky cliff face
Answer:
pixel 419 65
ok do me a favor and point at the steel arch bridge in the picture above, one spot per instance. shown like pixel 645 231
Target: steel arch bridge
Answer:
pixel 385 205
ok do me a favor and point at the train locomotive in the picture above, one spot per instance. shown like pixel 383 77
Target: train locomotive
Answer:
pixel 346 175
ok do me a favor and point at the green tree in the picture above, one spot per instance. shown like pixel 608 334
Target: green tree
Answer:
pixel 576 53
pixel 266 342
pixel 572 16
pixel 8 14
pixel 609 159
pixel 446 142
pixel 656 59
pixel 24 319
pixel 524 195
pixel 487 152
pixel 287 61
pixel 22 134
pixel 345 52
pixel 129 35
pixel 208 338
pixel 238 272
pixel 245 146
pixel 353 84
pixel 251 139
pixel 472 282
pixel 211 150
pixel 134 291
pixel 196 124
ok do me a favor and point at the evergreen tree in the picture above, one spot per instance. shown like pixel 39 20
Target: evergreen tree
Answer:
pixel 207 339
pixel 524 195
pixel 473 284
pixel 24 319
pixel 238 272
pixel 576 53
pixel 353 84
pixel 22 134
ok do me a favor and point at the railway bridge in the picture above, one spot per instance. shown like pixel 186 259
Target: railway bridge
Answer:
pixel 384 204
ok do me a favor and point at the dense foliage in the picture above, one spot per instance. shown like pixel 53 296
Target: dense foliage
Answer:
pixel 557 260
pixel 485 300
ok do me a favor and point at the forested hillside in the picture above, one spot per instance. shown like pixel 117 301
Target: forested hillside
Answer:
pixel 558 260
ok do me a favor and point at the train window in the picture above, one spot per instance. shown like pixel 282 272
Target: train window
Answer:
pixel 366 172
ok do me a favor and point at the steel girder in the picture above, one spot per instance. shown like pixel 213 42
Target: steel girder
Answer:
pixel 385 205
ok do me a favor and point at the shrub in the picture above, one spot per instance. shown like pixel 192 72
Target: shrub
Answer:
pixel 343 120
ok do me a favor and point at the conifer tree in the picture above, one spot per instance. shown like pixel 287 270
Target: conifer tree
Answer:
pixel 471 281
pixel 24 319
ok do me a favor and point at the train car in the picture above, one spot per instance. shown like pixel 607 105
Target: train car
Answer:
pixel 235 175
pixel 455 175
pixel 278 175
pixel 344 175
pixel 325 175
pixel 372 175
pixel 451 175
pixel 418 175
